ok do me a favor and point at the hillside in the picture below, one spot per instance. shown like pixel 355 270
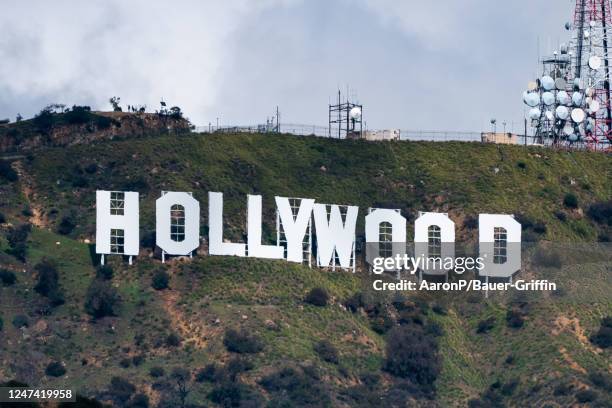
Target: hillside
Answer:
pixel 547 358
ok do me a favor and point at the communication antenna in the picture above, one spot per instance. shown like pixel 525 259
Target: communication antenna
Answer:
pixel 345 119
pixel 569 103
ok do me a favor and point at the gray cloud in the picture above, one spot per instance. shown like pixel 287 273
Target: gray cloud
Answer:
pixel 427 65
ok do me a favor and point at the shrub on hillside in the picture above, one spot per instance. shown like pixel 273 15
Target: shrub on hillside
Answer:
pixel 44 120
pixel 413 355
pixel 514 319
pixel 601 379
pixel 160 280
pixel 296 387
pixel 20 321
pixel 78 115
pixel 230 394
pixel 601 213
pixel 570 200
pixel 484 326
pixel 67 224
pixel 121 389
pixel 173 340
pixel 55 369
pixel 17 238
pixel 48 282
pixel 7 172
pixel 603 337
pixel 209 373
pixel 239 341
pixel 327 351
pixel 101 299
pixel 317 297
pixel 585 396
pixel 157 372
pixel 7 277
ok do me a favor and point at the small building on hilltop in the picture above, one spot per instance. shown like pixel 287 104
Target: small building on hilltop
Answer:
pixel 500 138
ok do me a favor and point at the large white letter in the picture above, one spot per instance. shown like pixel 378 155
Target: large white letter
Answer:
pixel 117 212
pixel 255 248
pixel 446 231
pixel 502 253
pixel 333 234
pixel 372 232
pixel 294 228
pixel 184 236
pixel 216 246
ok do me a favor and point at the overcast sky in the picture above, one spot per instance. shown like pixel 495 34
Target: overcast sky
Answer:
pixel 443 65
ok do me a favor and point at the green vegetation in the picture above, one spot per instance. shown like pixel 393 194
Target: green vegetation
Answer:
pixel 259 332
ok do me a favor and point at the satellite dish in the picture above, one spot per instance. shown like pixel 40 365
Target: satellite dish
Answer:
pixel 568 129
pixel 549 115
pixel 568 26
pixel 592 23
pixel 548 83
pixel 577 98
pixel 578 84
pixel 548 98
pixel 531 99
pixel 578 115
pixel 594 106
pixel 560 84
pixel 563 97
pixel 355 113
pixel 589 125
pixel 532 86
pixel 594 62
pixel 562 112
pixel 573 137
pixel 563 48
pixel 589 91
pixel 587 34
pixel 534 113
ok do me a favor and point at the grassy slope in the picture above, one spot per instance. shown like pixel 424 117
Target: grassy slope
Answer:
pixel 456 177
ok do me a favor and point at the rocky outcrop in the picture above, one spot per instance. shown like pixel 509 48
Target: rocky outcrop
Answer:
pixel 25 136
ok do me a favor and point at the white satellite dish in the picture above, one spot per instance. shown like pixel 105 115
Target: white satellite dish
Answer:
pixel 560 84
pixel 534 113
pixel 531 99
pixel 592 23
pixel 563 97
pixel 589 91
pixel 578 115
pixel 573 137
pixel 355 113
pixel 562 112
pixel 594 62
pixel 568 129
pixel 548 83
pixel 532 86
pixel 563 48
pixel 549 115
pixel 578 84
pixel 587 34
pixel 594 106
pixel 577 98
pixel 548 98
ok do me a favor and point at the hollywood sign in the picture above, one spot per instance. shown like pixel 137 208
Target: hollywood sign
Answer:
pixel 178 231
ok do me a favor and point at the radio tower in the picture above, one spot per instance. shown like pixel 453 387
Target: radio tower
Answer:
pixel 570 103
pixel 592 20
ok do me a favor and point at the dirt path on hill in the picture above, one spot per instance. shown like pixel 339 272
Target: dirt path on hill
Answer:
pixel 29 191
pixel 193 330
